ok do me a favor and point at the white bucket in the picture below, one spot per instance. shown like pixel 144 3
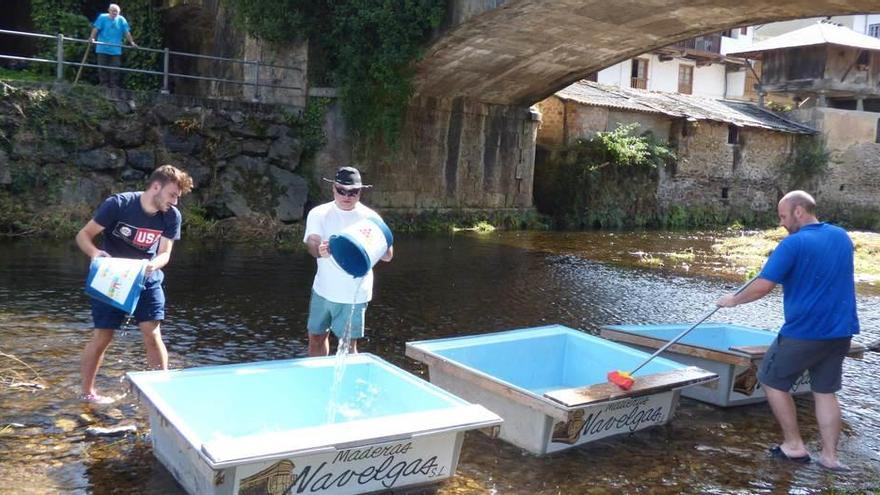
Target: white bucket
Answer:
pixel 116 281
pixel 361 245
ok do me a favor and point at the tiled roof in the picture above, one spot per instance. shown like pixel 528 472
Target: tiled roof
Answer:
pixel 818 34
pixel 739 113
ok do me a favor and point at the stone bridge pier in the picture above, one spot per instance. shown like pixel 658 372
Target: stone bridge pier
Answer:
pixel 459 153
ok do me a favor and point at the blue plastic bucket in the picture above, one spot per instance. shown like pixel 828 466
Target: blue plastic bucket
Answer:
pixel 116 281
pixel 360 246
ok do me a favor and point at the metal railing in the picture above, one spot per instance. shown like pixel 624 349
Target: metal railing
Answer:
pixel 166 74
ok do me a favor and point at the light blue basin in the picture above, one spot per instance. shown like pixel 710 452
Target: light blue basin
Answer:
pixel 550 383
pixel 276 416
pixel 278 396
pixel 543 358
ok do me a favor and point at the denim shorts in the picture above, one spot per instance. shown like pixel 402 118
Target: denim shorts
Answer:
pixel 788 358
pixel 326 315
pixel 150 307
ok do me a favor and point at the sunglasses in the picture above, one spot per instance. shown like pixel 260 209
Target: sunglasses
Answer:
pixel 347 192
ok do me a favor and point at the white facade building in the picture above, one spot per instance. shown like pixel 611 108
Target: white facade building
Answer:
pixel 696 67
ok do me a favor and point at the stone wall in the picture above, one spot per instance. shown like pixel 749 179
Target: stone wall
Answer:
pixel 205 27
pixel 552 130
pixel 840 128
pixel 713 174
pixel 452 154
pixel 709 172
pixel 648 122
pixel 244 158
pixel 564 121
pixel 852 183
pixel 853 179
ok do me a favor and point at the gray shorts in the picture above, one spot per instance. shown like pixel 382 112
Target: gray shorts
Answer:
pixel 788 358
pixel 326 315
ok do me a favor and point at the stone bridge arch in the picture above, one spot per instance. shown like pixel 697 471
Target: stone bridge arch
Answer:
pixel 469 139
pixel 517 52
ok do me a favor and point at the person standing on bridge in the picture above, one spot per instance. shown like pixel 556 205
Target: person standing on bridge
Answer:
pixel 137 225
pixel 815 266
pixel 109 29
pixel 336 295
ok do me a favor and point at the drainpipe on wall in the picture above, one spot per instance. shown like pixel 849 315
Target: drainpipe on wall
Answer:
pixel 726 73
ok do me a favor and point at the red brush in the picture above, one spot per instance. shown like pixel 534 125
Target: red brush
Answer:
pixel 621 378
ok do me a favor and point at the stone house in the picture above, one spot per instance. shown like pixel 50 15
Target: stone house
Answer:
pixel 730 153
pixel 831 76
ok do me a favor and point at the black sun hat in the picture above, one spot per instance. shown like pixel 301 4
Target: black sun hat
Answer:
pixel 349 178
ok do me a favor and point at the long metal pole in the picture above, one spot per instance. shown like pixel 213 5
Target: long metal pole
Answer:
pixel 165 72
pixel 59 57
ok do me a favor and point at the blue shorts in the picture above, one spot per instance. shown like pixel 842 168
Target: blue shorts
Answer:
pixel 150 307
pixel 788 358
pixel 326 315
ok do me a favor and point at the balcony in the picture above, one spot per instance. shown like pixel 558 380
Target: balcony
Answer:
pixel 706 44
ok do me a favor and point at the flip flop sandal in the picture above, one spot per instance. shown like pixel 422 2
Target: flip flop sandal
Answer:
pixel 779 454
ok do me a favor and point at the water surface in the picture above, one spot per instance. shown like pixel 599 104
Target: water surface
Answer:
pixel 233 304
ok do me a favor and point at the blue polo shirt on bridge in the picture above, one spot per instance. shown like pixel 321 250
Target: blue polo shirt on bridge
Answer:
pixel 110 31
pixel 815 267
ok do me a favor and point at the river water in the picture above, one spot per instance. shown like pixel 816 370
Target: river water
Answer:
pixel 232 304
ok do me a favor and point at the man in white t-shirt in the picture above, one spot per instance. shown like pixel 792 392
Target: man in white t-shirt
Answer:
pixel 336 295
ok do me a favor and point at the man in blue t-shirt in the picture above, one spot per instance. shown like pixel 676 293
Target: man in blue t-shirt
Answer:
pixel 110 28
pixel 814 264
pixel 138 225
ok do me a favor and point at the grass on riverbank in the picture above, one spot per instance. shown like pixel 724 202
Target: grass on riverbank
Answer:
pixel 751 249
pixel 23 76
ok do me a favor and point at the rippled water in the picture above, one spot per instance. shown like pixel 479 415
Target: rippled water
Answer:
pixel 231 304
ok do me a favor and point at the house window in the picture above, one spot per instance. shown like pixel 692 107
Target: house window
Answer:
pixel 744 30
pixel 685 79
pixel 877 138
pixel 640 73
pixel 725 193
pixel 874 30
pixel 732 134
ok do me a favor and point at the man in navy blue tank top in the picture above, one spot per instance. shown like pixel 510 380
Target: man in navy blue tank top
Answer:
pixel 137 225
pixel 814 264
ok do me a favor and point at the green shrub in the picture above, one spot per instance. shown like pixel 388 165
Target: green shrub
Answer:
pixel 809 161
pixel 609 181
